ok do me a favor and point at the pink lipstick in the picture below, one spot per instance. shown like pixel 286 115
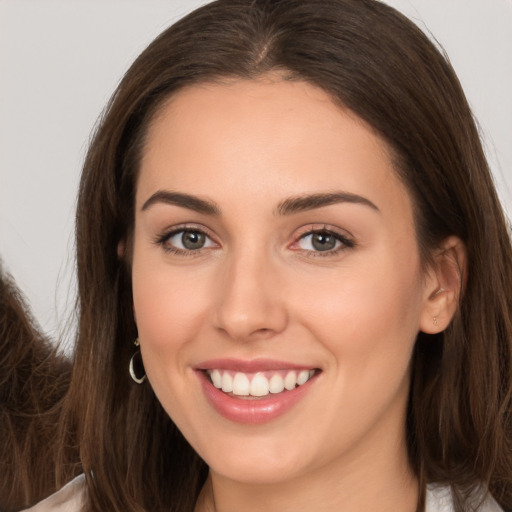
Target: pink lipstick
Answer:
pixel 254 392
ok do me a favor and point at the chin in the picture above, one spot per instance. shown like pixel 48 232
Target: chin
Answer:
pixel 269 472
pixel 258 460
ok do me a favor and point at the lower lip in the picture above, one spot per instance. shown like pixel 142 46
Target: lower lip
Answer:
pixel 253 411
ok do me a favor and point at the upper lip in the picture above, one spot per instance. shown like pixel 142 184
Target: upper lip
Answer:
pixel 252 366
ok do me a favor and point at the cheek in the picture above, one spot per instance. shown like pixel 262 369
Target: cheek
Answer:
pixel 170 306
pixel 170 309
pixel 367 321
pixel 164 307
pixel 366 314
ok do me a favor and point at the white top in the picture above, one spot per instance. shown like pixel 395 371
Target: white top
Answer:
pixel 67 499
pixel 70 499
pixel 439 499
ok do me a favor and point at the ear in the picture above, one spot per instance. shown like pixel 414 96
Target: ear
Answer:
pixel 444 285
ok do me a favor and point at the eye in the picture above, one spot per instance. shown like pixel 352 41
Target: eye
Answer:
pixel 185 241
pixel 320 241
pixel 323 241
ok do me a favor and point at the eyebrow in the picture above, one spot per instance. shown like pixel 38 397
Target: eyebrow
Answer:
pixel 287 207
pixel 313 201
pixel 184 200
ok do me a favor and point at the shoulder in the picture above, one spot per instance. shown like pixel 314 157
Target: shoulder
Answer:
pixel 439 499
pixel 67 499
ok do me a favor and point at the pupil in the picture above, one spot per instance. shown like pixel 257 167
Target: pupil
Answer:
pixel 192 240
pixel 323 242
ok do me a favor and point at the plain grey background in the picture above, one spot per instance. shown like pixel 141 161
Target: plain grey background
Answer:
pixel 60 60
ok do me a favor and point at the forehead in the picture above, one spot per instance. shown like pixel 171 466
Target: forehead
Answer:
pixel 264 138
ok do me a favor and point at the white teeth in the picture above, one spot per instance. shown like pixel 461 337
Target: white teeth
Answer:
pixel 303 377
pixel 216 378
pixel 276 384
pixel 241 384
pixel 259 385
pixel 227 383
pixel 290 381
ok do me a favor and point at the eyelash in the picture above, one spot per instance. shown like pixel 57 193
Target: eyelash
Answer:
pixel 344 242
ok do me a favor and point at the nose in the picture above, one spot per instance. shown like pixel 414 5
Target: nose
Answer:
pixel 250 302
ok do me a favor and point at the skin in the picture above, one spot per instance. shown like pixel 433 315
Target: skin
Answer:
pixel 260 289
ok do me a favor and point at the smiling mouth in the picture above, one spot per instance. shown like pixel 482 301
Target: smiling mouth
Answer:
pixel 260 384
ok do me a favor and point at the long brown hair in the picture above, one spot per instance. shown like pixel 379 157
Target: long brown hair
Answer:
pixel 372 60
pixel 34 378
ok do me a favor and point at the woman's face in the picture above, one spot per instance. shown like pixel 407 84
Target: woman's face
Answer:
pixel 275 257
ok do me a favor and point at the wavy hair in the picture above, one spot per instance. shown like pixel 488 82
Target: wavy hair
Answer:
pixel 375 62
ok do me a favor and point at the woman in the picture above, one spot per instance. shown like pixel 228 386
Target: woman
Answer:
pixel 287 209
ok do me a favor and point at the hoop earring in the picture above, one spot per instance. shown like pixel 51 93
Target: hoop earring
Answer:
pixel 138 380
